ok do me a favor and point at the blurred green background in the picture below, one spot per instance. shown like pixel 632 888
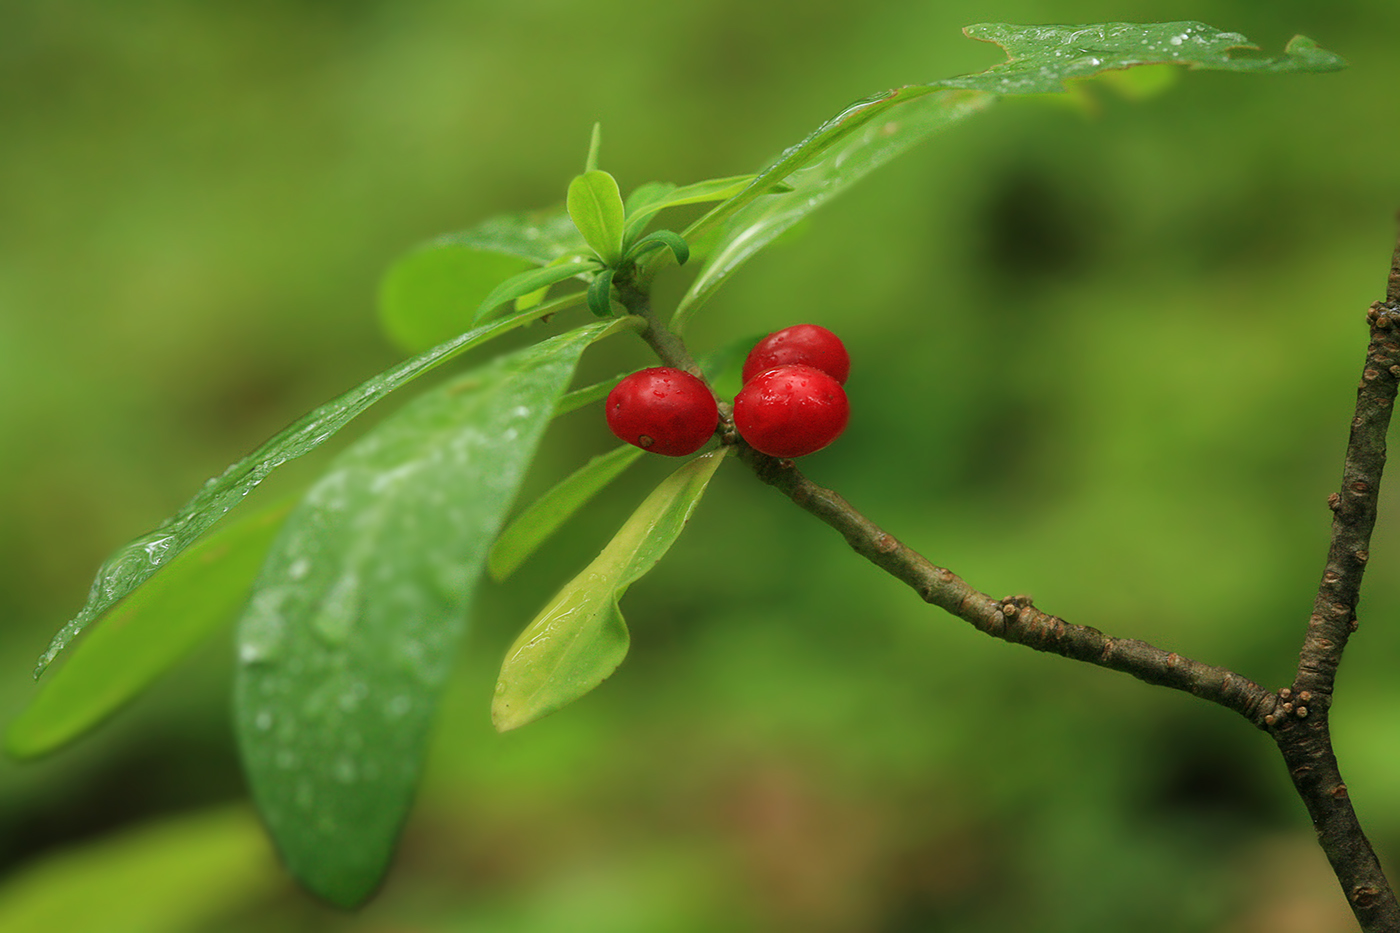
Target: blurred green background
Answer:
pixel 1104 358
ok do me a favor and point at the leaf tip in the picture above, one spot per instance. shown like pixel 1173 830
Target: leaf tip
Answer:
pixel 507 717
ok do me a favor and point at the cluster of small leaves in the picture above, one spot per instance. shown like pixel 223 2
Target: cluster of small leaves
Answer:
pixel 354 600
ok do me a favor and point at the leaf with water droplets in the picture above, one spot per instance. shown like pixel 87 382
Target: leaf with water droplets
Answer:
pixel 146 634
pixel 355 618
pixel 870 132
pixel 134 563
pixel 1042 58
pixel 580 638
pixel 836 156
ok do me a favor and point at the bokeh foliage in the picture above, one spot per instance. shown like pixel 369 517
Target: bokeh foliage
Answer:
pixel 1109 356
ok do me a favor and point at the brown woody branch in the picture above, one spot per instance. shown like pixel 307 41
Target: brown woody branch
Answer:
pixel 1302 729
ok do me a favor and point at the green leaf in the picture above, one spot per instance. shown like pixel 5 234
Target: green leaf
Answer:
pixel 433 292
pixel 146 634
pixel 355 619
pixel 871 132
pixel 723 366
pixel 134 563
pixel 580 637
pixel 839 154
pixel 595 143
pixel 1042 58
pixel 644 196
pixel 665 195
pixel 532 280
pixel 595 205
pixel 550 511
pixel 181 874
pixel 660 238
pixel 600 293
pixel 586 395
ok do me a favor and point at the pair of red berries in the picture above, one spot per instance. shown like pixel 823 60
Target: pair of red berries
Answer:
pixel 792 402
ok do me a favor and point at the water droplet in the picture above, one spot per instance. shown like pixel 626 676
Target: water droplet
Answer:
pixel 1177 40
pixel 263 720
pixel 398 707
pixel 351 698
pixel 339 611
pixel 286 758
pixel 299 568
pixel 344 770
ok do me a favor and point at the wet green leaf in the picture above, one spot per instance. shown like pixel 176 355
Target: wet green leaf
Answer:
pixel 433 293
pixel 871 132
pixel 842 152
pixel 595 206
pixel 355 618
pixel 549 512
pixel 134 563
pixel 580 637
pixel 1042 58
pixel 146 634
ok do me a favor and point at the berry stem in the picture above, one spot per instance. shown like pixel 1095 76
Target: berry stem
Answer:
pixel 668 346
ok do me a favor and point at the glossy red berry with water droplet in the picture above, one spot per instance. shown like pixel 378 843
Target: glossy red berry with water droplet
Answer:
pixel 800 345
pixel 663 410
pixel 791 411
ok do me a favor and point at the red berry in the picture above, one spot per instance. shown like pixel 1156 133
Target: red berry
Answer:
pixel 791 411
pixel 801 344
pixel 663 410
